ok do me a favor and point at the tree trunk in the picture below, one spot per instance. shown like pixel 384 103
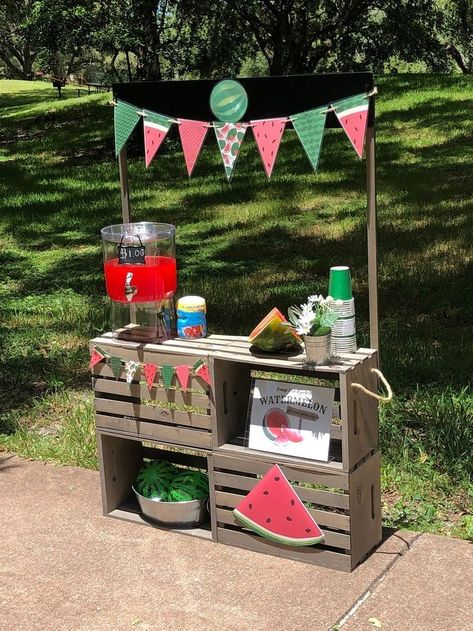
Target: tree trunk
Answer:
pixel 453 51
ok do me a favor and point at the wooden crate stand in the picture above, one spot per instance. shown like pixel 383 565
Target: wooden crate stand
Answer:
pixel 346 501
pixel 121 458
pixel 347 507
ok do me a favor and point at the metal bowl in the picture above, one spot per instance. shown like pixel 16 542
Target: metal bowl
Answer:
pixel 175 514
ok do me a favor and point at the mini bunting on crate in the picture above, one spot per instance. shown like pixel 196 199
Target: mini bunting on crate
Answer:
pixel 353 116
pixel 155 129
pixel 115 365
pixel 126 117
pixel 130 370
pixel 150 373
pixel 192 134
pixel 201 369
pixel 229 138
pixel 167 373
pixel 95 358
pixel 183 373
pixel 268 134
pixel 310 128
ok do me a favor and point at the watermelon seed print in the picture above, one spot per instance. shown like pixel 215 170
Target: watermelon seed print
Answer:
pixel 250 505
pixel 277 478
pixel 308 530
pixel 292 502
pixel 289 518
pixel 268 520
pixel 265 492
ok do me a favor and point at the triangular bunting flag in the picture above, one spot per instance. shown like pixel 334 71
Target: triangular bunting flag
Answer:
pixel 155 128
pixel 268 134
pixel 203 373
pixel 150 373
pixel 115 365
pixel 229 138
pixel 353 116
pixel 130 370
pixel 192 135
pixel 310 129
pixel 182 373
pixel 167 373
pixel 125 118
pixel 95 358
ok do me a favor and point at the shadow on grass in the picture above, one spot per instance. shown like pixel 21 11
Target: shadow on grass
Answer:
pixel 248 245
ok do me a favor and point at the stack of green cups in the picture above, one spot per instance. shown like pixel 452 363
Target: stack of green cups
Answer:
pixel 344 329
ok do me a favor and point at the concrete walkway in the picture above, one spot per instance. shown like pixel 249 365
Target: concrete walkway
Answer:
pixel 66 567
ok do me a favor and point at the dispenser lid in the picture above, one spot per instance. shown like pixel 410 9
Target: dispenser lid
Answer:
pixel 145 230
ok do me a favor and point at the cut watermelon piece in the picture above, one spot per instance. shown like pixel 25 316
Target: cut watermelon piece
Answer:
pixel 274 333
pixel 353 116
pixel 274 422
pixel 268 134
pixel 273 510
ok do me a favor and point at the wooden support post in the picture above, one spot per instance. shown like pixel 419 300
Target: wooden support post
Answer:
pixel 371 225
pixel 123 168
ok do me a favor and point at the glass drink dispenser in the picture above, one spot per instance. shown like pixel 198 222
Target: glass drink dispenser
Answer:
pixel 141 279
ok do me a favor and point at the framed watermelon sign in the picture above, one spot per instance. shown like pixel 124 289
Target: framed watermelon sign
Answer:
pixel 290 419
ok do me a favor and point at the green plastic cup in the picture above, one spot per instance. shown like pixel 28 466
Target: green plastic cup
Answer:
pixel 339 283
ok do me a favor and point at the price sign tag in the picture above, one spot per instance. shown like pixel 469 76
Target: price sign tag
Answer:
pixel 131 255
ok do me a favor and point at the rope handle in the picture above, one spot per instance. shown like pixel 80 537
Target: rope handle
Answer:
pixel 383 380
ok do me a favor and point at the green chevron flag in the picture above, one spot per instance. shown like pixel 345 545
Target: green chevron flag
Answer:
pixel 125 120
pixel 168 373
pixel 310 128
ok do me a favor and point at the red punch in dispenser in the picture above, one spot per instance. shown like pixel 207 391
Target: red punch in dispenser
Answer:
pixel 141 279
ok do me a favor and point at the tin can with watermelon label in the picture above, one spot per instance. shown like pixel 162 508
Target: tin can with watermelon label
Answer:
pixel 191 318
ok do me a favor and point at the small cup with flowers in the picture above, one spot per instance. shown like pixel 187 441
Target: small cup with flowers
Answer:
pixel 313 321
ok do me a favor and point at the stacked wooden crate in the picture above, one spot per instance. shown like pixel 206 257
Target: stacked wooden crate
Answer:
pixel 205 427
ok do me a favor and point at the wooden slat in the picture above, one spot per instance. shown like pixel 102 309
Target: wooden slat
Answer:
pixel 244 483
pixel 332 467
pixel 325 518
pixel 176 457
pixel 130 512
pixel 310 554
pixel 292 467
pixel 139 391
pixel 156 431
pixel 148 352
pixel 333 539
pixel 152 413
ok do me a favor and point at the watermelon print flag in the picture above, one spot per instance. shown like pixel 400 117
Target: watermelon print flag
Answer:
pixel 182 373
pixel 353 116
pixel 229 138
pixel 125 118
pixel 150 374
pixel 192 134
pixel 95 358
pixel 155 128
pixel 310 128
pixel 130 370
pixel 268 134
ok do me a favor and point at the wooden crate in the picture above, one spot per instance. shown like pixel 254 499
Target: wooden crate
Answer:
pixel 347 507
pixel 120 460
pixel 173 416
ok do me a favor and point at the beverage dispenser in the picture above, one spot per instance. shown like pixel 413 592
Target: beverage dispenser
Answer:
pixel 141 279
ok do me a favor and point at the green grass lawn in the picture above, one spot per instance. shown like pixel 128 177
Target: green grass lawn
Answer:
pixel 248 246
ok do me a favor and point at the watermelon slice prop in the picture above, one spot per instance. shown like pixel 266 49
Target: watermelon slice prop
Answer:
pixel 352 113
pixel 273 510
pixel 274 333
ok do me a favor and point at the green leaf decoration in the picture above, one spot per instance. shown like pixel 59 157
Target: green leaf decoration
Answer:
pixel 167 373
pixel 115 365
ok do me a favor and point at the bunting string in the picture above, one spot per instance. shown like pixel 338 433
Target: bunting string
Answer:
pixel 150 371
pixel 351 112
